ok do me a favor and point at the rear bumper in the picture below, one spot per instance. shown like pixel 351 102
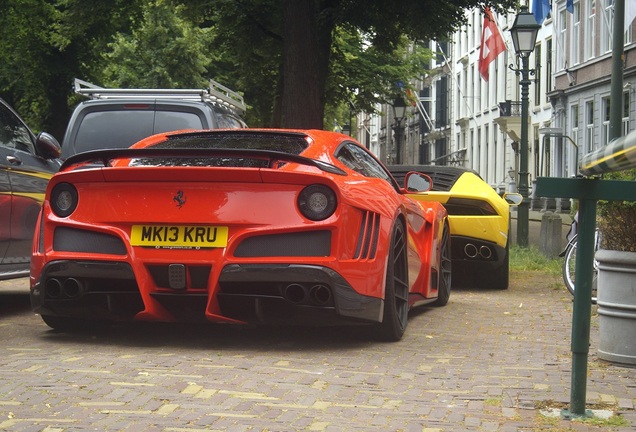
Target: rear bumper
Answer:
pixel 247 293
pixel 474 259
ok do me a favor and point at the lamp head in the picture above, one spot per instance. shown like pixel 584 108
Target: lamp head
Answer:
pixel 524 32
pixel 399 108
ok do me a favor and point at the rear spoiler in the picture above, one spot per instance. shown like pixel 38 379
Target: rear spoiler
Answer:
pixel 106 156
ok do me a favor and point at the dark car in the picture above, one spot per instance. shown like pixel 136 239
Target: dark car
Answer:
pixel 27 163
pixel 118 118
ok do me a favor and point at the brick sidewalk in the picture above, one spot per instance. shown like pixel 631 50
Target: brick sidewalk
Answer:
pixel 486 362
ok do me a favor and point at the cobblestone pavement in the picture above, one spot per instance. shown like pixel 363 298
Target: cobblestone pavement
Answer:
pixel 488 361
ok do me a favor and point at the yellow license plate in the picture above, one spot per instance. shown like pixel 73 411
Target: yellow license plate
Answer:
pixel 179 236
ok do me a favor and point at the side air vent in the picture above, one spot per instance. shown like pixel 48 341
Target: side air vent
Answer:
pixel 368 236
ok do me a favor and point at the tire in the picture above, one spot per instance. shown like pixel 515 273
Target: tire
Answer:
pixel 67 324
pixel 501 276
pixel 396 291
pixel 569 268
pixel 445 266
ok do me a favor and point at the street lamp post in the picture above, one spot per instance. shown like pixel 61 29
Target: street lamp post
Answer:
pixel 399 109
pixel 524 37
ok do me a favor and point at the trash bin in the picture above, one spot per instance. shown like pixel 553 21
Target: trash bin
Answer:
pixel 616 297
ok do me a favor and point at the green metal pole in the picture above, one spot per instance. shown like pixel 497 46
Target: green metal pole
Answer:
pixel 523 209
pixel 616 89
pixel 582 313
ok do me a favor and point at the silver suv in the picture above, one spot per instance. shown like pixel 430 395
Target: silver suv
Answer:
pixel 118 118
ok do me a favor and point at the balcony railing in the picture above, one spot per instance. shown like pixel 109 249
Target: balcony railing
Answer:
pixel 509 108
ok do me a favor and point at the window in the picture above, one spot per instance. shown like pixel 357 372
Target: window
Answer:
pixel 441 102
pixel 589 127
pixel 537 80
pixel 575 35
pixel 357 159
pixel 487 166
pixel 13 133
pixel 626 108
pixel 590 30
pixel 607 25
pixel 561 60
pixel 478 152
pixel 605 104
pixel 548 68
pixel 574 134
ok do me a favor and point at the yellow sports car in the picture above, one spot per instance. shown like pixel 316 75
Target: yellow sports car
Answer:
pixel 479 223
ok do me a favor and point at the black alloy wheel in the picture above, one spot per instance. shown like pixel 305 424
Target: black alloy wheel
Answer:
pixel 396 293
pixel 445 265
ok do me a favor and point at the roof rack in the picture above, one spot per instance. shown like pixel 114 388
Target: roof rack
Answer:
pixel 216 93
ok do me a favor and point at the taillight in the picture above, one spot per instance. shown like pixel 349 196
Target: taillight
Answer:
pixel 63 199
pixel 317 202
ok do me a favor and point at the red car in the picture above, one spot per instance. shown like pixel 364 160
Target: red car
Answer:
pixel 237 226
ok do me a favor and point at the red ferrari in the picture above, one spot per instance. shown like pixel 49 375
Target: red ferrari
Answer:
pixel 238 226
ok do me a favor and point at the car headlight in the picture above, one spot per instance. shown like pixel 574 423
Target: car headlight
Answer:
pixel 317 202
pixel 63 199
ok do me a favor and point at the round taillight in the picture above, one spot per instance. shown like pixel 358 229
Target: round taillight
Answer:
pixel 63 199
pixel 317 202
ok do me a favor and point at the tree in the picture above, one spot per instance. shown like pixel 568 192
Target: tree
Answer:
pixel 45 44
pixel 302 34
pixel 291 58
pixel 164 51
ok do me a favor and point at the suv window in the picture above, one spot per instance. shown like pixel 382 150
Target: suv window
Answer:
pixel 167 121
pixel 97 131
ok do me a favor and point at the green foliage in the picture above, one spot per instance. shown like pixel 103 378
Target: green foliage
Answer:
pixel 616 219
pixel 163 51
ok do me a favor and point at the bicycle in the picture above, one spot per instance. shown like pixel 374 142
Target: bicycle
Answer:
pixel 569 262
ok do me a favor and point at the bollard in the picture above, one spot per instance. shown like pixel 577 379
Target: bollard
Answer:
pixel 550 243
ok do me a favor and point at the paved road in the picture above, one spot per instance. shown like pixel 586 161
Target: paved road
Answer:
pixel 486 362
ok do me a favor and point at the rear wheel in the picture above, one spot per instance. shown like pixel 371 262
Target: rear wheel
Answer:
pixel 445 265
pixel 67 324
pixel 396 292
pixel 501 276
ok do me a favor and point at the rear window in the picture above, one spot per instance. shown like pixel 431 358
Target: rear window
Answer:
pixel 111 129
pixel 285 143
pixel 121 129
pixel 167 121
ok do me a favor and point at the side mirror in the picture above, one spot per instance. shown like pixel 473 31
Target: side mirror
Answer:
pixel 47 146
pixel 416 182
pixel 513 198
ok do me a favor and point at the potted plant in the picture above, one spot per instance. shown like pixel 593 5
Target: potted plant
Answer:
pixel 617 276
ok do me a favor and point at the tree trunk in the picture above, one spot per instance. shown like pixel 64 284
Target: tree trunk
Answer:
pixel 303 85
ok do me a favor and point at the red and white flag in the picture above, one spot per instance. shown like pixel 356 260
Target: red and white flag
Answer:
pixel 492 44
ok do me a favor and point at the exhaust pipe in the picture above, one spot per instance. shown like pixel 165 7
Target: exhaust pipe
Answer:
pixel 485 252
pixel 295 293
pixel 470 250
pixel 72 288
pixel 320 294
pixel 53 288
